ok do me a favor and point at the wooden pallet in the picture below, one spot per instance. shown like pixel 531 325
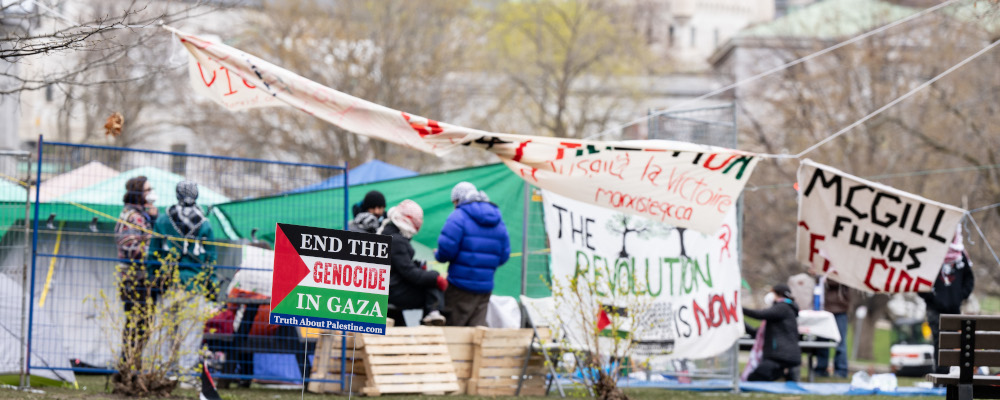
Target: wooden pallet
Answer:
pixel 327 364
pixel 462 350
pixel 409 360
pixel 498 360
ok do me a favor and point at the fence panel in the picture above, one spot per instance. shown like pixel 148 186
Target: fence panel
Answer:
pixel 714 126
pixel 14 247
pixel 710 125
pixel 76 308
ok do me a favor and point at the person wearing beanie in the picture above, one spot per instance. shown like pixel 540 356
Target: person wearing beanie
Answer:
pixel 179 236
pixel 180 266
pixel 132 235
pixel 411 285
pixel 474 242
pixel 368 213
pixel 781 355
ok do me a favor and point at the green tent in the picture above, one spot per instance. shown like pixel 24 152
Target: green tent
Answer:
pixel 324 209
pixel 12 192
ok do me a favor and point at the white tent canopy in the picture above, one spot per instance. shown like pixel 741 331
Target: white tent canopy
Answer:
pixel 90 174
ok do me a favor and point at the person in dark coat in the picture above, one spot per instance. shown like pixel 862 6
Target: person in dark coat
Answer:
pixel 368 213
pixel 953 285
pixel 474 242
pixel 781 354
pixel 411 285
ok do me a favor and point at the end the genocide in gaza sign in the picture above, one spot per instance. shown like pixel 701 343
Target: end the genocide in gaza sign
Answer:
pixel 330 279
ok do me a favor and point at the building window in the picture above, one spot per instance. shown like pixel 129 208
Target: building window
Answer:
pixel 178 164
pixel 694 35
pixel 670 36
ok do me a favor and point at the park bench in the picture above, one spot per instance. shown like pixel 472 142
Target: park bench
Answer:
pixel 968 342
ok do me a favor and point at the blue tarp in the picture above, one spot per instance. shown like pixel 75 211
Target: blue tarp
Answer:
pixel 839 389
pixel 372 171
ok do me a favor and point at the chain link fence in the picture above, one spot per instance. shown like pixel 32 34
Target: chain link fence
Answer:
pixel 15 173
pixel 78 253
pixel 715 126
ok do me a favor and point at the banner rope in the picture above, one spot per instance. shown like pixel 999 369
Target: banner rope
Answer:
pixel 983 236
pixel 751 188
pixel 887 106
pixel 779 68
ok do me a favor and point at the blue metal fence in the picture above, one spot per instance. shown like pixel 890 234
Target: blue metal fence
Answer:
pixel 75 317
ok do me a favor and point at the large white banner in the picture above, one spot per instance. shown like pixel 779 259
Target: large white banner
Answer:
pixel 870 236
pixel 692 279
pixel 682 184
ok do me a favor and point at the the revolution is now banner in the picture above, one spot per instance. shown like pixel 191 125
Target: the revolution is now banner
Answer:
pixel 681 184
pixel 870 236
pixel 330 279
pixel 692 279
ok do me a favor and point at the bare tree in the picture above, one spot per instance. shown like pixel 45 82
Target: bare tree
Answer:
pixel 30 29
pixel 943 128
pixel 565 62
pixel 395 53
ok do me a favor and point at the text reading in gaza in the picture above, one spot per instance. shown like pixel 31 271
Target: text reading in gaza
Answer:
pixel 332 244
pixel 358 276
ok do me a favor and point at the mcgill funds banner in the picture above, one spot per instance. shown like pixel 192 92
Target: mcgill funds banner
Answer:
pixel 693 279
pixel 870 236
pixel 677 183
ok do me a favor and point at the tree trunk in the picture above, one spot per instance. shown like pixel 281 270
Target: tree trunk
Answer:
pixel 876 310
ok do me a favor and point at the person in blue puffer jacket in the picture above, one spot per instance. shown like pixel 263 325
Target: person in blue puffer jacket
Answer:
pixel 474 242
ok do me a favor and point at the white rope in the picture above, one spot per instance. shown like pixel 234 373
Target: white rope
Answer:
pixel 887 106
pixel 984 208
pixel 779 68
pixel 988 246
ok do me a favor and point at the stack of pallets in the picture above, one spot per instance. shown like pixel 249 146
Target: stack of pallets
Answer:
pixel 408 360
pixel 498 361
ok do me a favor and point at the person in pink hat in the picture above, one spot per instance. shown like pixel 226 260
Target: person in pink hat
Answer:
pixel 411 285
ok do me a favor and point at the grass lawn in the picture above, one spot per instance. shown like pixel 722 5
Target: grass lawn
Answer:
pixel 92 388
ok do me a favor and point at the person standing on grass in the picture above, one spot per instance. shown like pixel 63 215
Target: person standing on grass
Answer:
pixel 474 242
pixel 836 300
pixel 133 232
pixel 181 264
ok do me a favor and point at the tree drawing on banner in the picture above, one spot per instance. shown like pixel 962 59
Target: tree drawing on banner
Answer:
pixel 680 234
pixel 642 228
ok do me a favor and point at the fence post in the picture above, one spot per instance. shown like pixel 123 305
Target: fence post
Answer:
pixel 23 362
pixel 343 337
pixel 739 247
pixel 524 240
pixel 734 367
pixel 34 258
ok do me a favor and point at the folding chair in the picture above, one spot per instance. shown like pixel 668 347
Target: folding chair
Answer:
pixel 536 313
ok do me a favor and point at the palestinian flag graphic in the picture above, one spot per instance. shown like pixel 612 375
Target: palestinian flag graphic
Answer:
pixel 330 279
